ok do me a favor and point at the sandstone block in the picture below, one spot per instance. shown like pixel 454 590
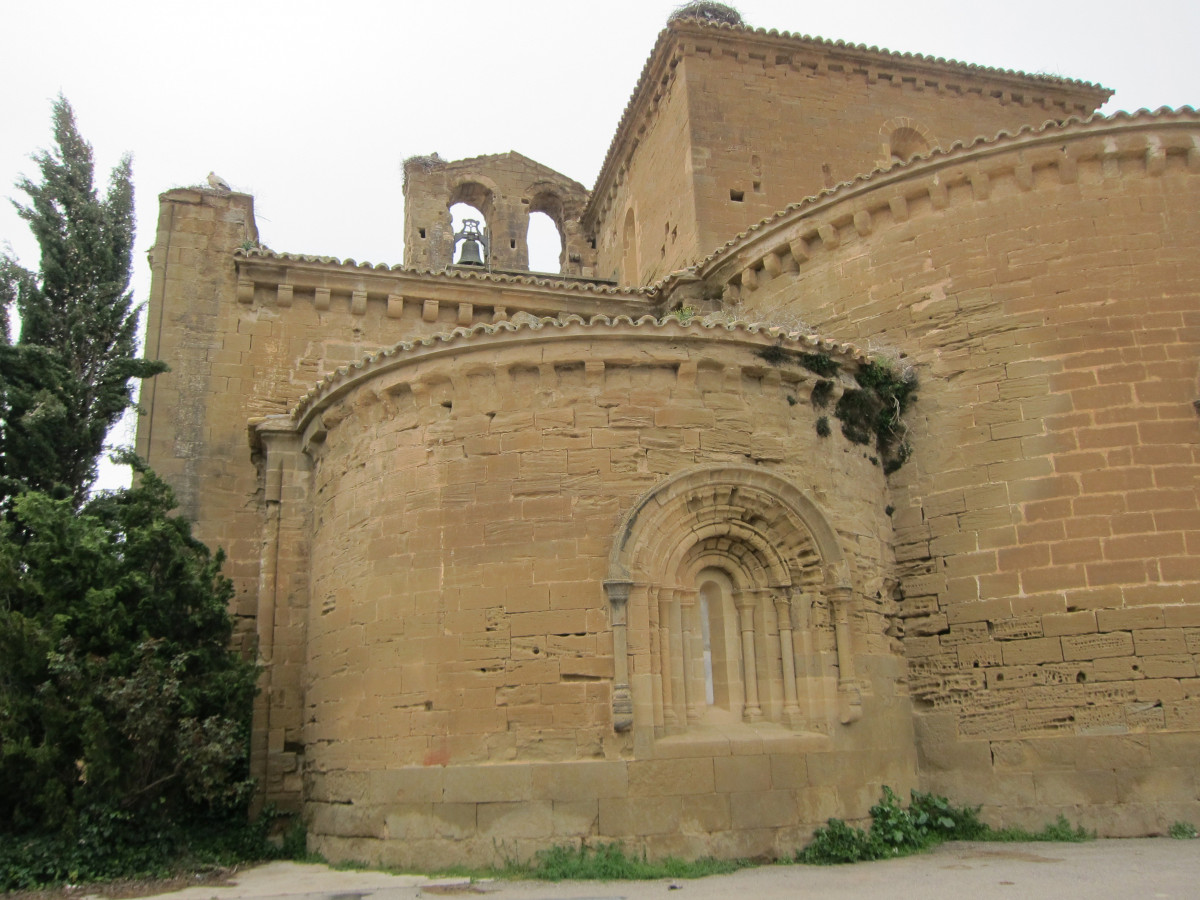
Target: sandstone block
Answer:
pixel 626 817
pixel 581 780
pixel 763 809
pixel 658 778
pixel 488 784
pixel 742 774
pixel 1098 646
pixel 526 819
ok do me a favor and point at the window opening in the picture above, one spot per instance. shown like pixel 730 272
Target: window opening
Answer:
pixel 718 626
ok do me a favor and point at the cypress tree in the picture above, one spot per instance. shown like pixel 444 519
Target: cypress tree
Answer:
pixel 124 714
pixel 68 379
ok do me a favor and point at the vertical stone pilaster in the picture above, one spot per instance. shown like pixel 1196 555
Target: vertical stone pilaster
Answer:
pixel 849 693
pixel 281 619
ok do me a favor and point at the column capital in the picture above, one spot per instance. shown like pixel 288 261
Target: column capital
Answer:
pixel 839 595
pixel 745 598
pixel 617 591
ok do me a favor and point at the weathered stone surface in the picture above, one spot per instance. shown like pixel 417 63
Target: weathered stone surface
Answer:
pixel 479 540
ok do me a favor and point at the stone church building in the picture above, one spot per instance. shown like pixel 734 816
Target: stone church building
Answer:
pixel 856 443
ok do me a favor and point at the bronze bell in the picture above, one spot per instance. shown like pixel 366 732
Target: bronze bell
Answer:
pixel 470 255
pixel 472 244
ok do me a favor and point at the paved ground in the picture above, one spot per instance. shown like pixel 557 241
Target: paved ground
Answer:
pixel 1141 869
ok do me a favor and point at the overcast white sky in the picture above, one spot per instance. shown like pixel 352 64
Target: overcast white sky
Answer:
pixel 311 106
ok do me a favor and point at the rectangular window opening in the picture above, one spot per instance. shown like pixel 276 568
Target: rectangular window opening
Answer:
pixel 737 196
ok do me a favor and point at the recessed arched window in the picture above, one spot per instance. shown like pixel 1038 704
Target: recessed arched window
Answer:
pixel 731 605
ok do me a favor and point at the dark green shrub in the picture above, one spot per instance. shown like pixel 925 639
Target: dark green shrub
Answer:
pixel 125 714
pixel 821 392
pixel 873 412
pixel 819 364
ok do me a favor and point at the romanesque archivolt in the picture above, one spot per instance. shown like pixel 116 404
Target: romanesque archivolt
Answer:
pixel 739 591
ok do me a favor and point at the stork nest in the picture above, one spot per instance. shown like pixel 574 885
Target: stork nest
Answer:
pixel 716 13
pixel 425 163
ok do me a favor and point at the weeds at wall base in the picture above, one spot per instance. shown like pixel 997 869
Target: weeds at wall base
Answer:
pixel 928 821
pixel 1182 831
pixel 586 862
pixel 610 862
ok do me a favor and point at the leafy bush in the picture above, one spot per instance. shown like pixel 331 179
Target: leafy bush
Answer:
pixel 124 715
pixel 929 820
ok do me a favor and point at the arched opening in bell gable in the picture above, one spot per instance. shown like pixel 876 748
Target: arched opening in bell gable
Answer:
pixel 471 202
pixel 545 244
pixel 546 235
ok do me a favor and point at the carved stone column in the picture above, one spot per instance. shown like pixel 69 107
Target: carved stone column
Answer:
pixel 744 601
pixel 667 657
pixel 679 680
pixel 783 612
pixel 622 701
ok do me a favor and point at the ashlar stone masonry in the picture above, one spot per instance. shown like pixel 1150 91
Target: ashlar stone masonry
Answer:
pixel 536 559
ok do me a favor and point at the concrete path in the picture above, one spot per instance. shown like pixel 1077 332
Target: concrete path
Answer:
pixel 1136 869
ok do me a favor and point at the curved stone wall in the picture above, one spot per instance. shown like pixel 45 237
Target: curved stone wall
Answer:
pixel 1045 288
pixel 519 538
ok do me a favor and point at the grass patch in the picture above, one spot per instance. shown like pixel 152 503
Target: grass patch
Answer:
pixel 587 862
pixel 1060 831
pixel 610 862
